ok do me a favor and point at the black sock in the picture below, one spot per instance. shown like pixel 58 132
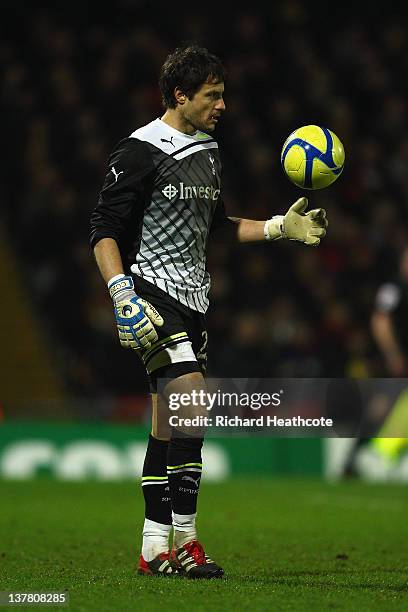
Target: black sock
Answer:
pixel 155 483
pixel 184 466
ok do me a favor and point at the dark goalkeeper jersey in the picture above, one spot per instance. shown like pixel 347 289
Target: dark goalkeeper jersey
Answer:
pixel 159 202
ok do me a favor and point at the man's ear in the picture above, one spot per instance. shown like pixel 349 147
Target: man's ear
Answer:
pixel 179 96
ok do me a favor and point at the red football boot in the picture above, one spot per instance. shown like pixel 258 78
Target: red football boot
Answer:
pixel 191 561
pixel 159 566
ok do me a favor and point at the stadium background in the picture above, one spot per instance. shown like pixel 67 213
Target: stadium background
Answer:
pixel 76 79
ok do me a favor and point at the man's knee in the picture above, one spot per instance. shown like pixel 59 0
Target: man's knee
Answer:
pixel 187 400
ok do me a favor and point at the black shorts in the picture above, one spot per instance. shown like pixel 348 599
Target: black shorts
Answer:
pixel 182 344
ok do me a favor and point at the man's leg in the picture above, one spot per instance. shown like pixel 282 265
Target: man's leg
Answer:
pixel 389 441
pixel 184 468
pixel 158 520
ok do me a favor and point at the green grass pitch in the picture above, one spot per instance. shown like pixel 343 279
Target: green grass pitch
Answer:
pixel 285 545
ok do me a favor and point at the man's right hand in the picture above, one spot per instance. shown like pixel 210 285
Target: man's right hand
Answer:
pixel 135 317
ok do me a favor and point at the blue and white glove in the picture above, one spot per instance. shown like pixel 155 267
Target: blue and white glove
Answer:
pixel 135 317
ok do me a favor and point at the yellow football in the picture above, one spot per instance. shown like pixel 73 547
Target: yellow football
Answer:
pixel 312 157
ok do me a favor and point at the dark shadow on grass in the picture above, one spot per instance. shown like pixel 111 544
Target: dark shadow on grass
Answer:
pixel 293 579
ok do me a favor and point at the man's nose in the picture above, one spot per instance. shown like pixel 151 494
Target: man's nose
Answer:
pixel 220 106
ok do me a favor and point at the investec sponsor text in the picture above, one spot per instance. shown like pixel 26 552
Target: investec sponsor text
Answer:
pixel 188 192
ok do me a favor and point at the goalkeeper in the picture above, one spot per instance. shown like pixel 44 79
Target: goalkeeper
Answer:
pixel 160 204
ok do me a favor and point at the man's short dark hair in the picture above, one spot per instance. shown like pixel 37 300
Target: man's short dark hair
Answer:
pixel 188 68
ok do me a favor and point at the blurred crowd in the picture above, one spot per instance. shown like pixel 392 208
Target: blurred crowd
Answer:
pixel 73 83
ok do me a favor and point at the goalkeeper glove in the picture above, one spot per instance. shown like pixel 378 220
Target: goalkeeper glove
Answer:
pixel 135 317
pixel 297 225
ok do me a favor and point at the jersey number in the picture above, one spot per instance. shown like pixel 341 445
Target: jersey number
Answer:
pixel 202 353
